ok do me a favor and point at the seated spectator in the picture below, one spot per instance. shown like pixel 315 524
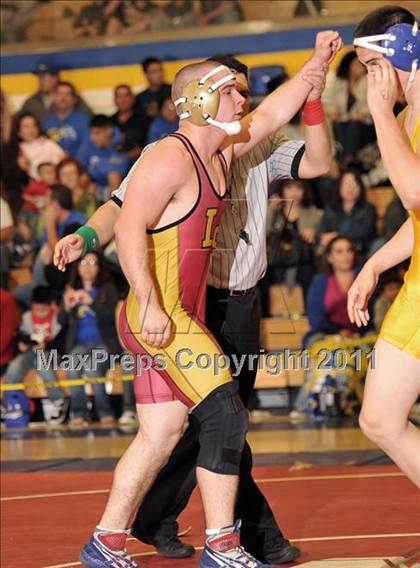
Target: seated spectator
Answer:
pixel 9 322
pixel 88 311
pixel 70 175
pixel 335 386
pixel 7 235
pixel 35 146
pixel 14 174
pixel 66 125
pixel 132 126
pixel 390 283
pixel 292 222
pixel 149 101
pixel 14 19
pixel 41 104
pixel 39 330
pixel 346 107
pixel 104 164
pixel 91 20
pixel 327 296
pixel 6 120
pixel 350 214
pixel 133 16
pixel 180 13
pixel 209 12
pixel 36 194
pixel 394 217
pixel 58 215
pixel 165 123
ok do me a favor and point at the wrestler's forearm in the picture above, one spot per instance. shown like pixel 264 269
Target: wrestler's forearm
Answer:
pixel 401 163
pixel 316 161
pixel 278 108
pixel 103 221
pixel 396 250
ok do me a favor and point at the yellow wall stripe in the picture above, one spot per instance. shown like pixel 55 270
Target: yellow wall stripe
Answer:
pixel 108 77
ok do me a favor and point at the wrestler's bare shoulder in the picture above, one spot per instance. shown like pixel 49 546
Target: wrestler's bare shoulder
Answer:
pixel 168 152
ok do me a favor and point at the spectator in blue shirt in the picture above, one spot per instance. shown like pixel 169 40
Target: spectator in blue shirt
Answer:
pixel 104 164
pixel 58 216
pixel 165 123
pixel 66 125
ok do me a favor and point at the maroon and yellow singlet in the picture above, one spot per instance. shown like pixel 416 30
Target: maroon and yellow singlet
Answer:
pixel 179 255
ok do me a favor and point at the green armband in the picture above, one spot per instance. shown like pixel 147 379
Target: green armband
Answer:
pixel 90 237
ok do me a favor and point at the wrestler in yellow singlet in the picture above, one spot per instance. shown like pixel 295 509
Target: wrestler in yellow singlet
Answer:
pixel 401 326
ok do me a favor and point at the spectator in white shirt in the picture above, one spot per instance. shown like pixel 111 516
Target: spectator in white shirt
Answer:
pixel 36 147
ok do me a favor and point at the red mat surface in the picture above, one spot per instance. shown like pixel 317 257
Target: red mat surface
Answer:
pixel 49 531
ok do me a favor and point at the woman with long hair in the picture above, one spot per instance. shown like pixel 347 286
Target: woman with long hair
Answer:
pixel 393 385
pixel 327 296
pixel 34 144
pixel 69 174
pixel 350 214
pixel 89 305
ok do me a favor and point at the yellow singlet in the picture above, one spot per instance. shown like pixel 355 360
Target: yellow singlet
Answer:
pixel 401 326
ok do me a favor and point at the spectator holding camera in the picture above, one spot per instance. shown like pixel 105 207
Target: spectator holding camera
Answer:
pixel 88 310
pixel 292 223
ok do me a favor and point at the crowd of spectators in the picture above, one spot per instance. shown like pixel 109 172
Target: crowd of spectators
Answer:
pixel 93 18
pixel 60 161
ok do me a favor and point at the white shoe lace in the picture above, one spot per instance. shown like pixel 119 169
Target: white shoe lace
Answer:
pixel 242 555
pixel 123 554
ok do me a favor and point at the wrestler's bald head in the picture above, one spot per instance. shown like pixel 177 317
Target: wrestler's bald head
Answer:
pixel 189 73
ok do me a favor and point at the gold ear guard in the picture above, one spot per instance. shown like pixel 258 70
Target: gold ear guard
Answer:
pixel 200 98
pixel 198 102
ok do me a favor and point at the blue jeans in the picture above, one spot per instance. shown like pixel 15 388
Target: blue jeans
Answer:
pixel 79 407
pixel 25 362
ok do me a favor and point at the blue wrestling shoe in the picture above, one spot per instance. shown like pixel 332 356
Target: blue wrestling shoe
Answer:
pixel 96 554
pixel 225 551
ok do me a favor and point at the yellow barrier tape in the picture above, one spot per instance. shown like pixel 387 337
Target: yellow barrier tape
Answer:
pixel 65 383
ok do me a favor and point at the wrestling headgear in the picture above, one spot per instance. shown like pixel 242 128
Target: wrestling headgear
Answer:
pixel 400 44
pixel 200 98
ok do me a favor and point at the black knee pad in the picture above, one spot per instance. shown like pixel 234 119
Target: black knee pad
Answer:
pixel 223 426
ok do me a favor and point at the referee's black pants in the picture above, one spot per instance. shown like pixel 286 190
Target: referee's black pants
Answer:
pixel 235 322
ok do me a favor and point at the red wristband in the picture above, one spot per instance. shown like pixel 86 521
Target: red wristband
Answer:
pixel 313 113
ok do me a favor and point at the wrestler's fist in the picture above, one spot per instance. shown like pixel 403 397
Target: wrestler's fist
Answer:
pixel 155 325
pixel 359 295
pixel 382 86
pixel 68 249
pixel 327 44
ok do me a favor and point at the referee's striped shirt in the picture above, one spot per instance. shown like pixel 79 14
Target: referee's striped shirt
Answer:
pixel 240 258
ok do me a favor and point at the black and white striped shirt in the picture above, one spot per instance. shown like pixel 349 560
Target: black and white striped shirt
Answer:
pixel 240 258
